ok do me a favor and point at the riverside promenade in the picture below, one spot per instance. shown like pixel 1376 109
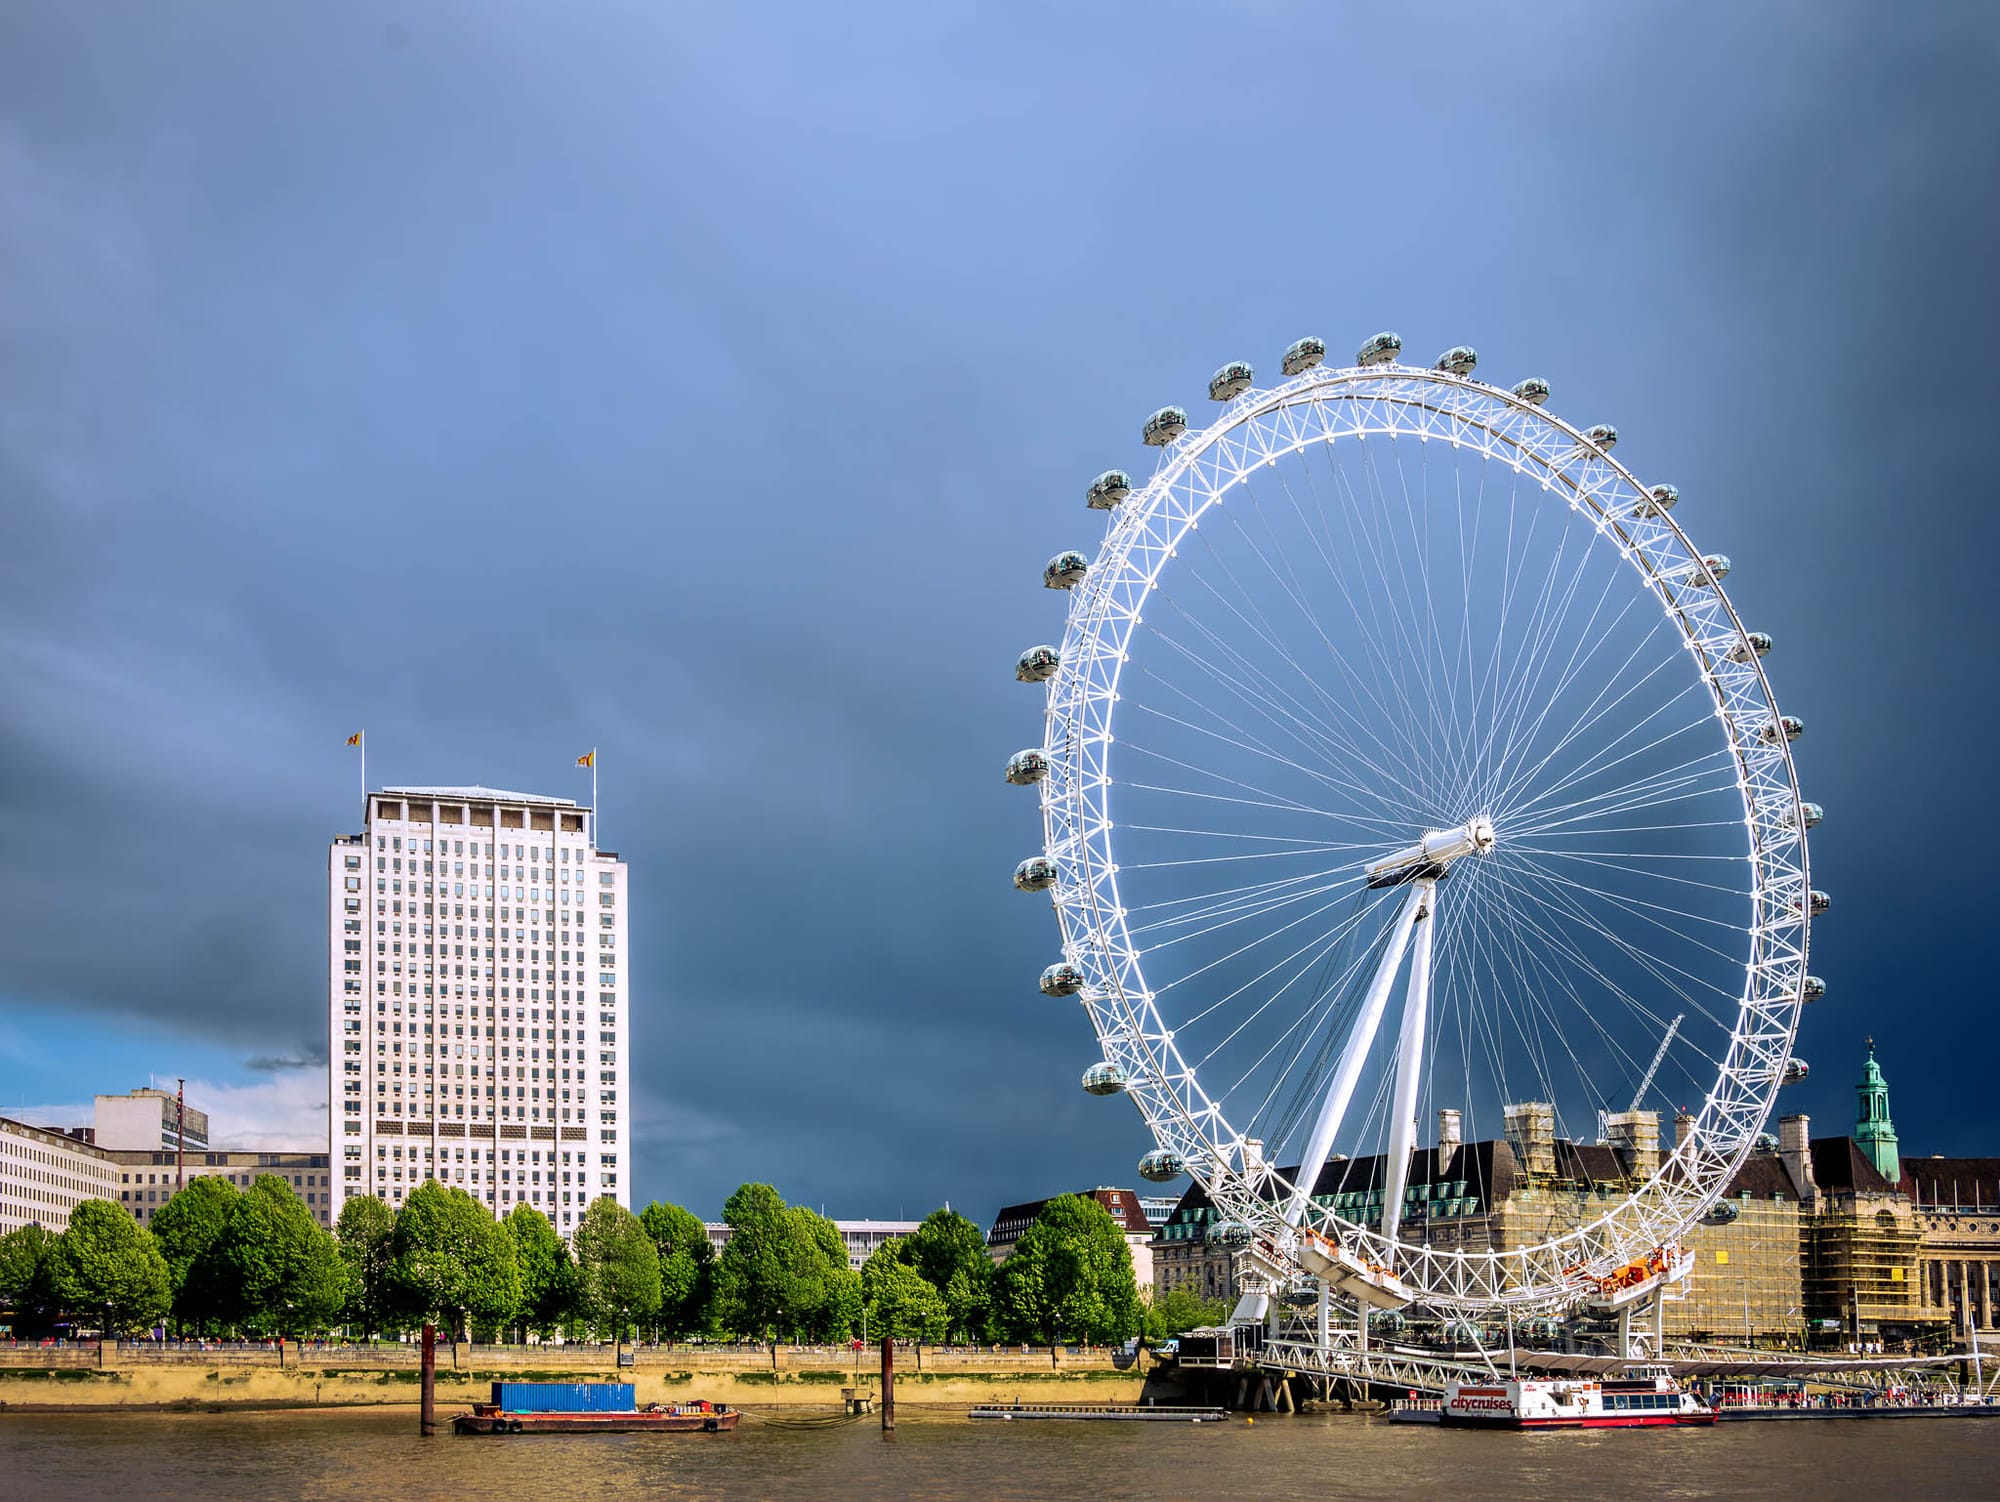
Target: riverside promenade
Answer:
pixel 228 1375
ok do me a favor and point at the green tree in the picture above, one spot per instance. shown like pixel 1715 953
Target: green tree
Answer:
pixel 283 1270
pixel 1070 1277
pixel 754 1275
pixel 550 1284
pixel 901 1302
pixel 366 1231
pixel 619 1264
pixel 107 1267
pixel 188 1228
pixel 950 1251
pixel 687 1268
pixel 826 1292
pixel 450 1260
pixel 1167 1313
pixel 28 1280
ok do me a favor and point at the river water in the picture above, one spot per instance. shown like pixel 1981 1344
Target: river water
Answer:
pixel 378 1456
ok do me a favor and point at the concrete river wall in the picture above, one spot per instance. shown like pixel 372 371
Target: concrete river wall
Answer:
pixel 86 1377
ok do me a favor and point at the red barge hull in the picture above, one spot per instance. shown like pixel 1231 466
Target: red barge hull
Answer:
pixel 1606 1421
pixel 484 1419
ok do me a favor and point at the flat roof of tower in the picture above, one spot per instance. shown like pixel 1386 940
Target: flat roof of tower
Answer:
pixel 483 794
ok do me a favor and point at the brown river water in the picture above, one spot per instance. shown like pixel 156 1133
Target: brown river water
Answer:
pixel 378 1456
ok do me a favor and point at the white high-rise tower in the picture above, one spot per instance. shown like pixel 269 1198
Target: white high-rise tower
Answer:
pixel 478 1003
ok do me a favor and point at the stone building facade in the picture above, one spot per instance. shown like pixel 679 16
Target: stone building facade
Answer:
pixel 1956 1205
pixel 1840 1240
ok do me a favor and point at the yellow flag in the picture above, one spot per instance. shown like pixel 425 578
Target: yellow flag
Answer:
pixel 588 759
pixel 354 739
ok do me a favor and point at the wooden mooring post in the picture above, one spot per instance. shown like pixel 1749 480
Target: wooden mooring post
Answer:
pixel 888 1384
pixel 427 1413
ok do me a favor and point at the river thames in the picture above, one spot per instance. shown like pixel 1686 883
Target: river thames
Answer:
pixel 376 1455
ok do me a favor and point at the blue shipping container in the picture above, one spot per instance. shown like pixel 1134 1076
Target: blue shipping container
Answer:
pixel 564 1397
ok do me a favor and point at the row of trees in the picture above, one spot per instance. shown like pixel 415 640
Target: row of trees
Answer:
pixel 221 1260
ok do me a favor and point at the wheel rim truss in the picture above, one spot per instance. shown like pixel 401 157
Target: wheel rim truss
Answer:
pixel 1258 428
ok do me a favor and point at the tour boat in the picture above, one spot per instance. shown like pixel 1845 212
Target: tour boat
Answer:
pixel 1648 1398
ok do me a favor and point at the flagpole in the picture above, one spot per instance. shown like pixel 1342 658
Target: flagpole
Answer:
pixel 595 840
pixel 364 775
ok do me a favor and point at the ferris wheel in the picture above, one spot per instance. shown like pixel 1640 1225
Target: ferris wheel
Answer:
pixel 1405 763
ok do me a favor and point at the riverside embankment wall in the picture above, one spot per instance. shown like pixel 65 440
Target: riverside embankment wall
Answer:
pixel 86 1377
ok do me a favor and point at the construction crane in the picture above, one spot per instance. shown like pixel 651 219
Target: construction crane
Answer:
pixel 1654 1067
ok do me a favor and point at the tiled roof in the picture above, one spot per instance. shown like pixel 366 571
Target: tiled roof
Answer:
pixel 1965 1182
pixel 1122 1205
pixel 1841 1167
pixel 1762 1177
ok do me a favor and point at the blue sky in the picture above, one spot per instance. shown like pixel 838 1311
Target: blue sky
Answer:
pixel 709 384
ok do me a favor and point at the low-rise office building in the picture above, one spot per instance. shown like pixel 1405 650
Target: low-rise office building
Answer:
pixel 148 1120
pixel 861 1237
pixel 45 1172
pixel 1123 1206
pixel 147 1180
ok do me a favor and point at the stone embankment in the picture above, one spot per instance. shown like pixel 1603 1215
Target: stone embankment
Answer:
pixel 149 1376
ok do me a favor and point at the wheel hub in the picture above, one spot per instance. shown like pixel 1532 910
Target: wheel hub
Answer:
pixel 1431 857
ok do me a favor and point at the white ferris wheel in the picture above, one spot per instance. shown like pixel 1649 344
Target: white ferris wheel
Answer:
pixel 1404 757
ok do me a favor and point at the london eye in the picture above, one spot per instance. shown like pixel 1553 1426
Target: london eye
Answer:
pixel 1408 779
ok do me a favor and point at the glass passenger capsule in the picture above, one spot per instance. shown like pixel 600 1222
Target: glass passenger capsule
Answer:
pixel 1107 490
pixel 1807 814
pixel 1754 644
pixel 1061 979
pixel 1104 1079
pixel 1710 570
pixel 1796 1070
pixel 1036 874
pixel 1659 501
pixel 1163 427
pixel 1024 767
pixel 1233 379
pixel 1065 571
pixel 1604 436
pixel 1228 1233
pixel 1161 1165
pixel 1534 391
pixel 1380 350
pixel 1037 664
pixel 1304 355
pixel 1721 1213
pixel 1459 360
pixel 1785 727
pixel 1817 902
pixel 1812 988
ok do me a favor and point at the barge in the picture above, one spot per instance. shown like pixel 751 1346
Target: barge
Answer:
pixel 588 1408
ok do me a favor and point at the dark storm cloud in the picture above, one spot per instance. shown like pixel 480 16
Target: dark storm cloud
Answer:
pixel 711 390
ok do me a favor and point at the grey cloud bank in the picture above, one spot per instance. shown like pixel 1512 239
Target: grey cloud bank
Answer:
pixel 725 378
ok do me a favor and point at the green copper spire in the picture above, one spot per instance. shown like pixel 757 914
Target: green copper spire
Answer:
pixel 1872 1127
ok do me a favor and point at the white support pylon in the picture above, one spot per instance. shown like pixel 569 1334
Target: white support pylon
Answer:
pixel 1347 1072
pixel 1409 1064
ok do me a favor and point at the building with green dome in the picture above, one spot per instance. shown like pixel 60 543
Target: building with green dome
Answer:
pixel 1872 1127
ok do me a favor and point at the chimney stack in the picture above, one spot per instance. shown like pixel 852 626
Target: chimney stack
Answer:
pixel 1795 1148
pixel 1451 1132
